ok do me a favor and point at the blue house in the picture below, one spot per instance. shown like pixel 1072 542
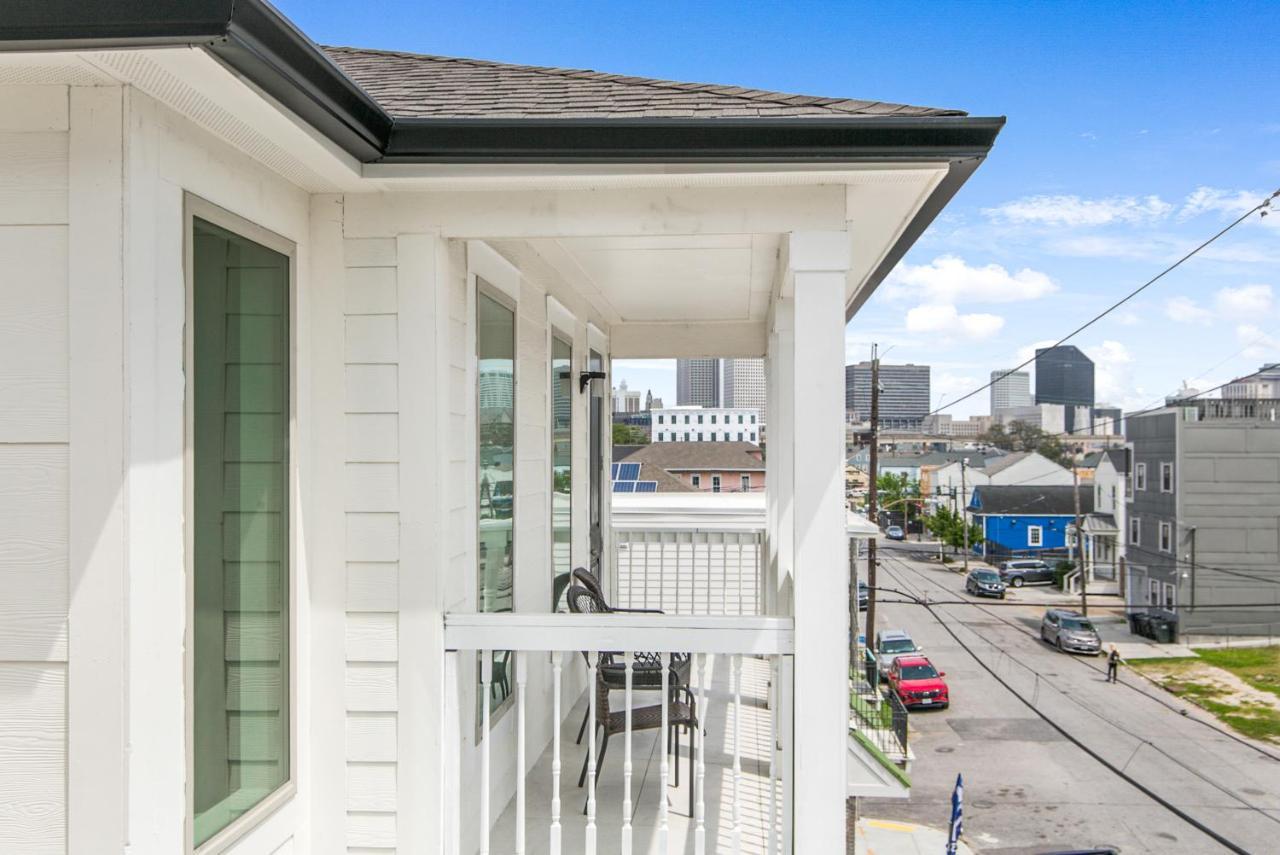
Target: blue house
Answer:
pixel 1026 519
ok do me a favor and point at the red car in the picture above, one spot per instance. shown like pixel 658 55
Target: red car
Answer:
pixel 917 683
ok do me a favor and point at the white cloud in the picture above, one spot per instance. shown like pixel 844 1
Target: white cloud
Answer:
pixel 1206 200
pixel 949 279
pixel 943 319
pixel 1113 375
pixel 1071 210
pixel 1257 344
pixel 1247 301
pixel 1184 310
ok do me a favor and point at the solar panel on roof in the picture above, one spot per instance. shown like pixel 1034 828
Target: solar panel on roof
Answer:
pixel 627 472
pixel 624 486
pixel 646 486
pixel 613 472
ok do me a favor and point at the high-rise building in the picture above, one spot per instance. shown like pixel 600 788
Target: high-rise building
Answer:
pixel 625 400
pixel 698 382
pixel 1264 383
pixel 904 394
pixel 744 384
pixel 1009 389
pixel 1064 375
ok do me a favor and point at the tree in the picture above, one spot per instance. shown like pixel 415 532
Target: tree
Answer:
pixel 896 493
pixel 948 526
pixel 1020 436
pixel 624 434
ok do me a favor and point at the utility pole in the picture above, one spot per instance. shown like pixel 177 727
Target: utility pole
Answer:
pixel 1084 582
pixel 872 511
pixel 964 512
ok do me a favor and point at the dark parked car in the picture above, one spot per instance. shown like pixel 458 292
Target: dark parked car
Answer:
pixel 1070 632
pixel 864 596
pixel 1025 571
pixel 984 583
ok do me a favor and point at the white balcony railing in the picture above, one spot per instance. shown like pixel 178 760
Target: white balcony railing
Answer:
pixel 699 554
pixel 739 686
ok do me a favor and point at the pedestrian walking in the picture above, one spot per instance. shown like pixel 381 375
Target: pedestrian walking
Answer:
pixel 1113 664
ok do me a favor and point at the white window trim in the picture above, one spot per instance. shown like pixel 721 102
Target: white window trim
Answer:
pixel 256 816
pixel 1166 528
pixel 1140 477
pixel 696 480
pixel 1038 532
pixel 1166 466
pixel 716 486
pixel 1135 531
pixel 1170 601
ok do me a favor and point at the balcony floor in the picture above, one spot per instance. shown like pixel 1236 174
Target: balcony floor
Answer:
pixel 717 720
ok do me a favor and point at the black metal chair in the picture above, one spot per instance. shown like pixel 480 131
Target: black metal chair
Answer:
pixel 646 673
pixel 646 669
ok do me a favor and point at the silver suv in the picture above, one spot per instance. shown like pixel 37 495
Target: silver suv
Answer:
pixel 1070 632
pixel 1025 571
pixel 890 644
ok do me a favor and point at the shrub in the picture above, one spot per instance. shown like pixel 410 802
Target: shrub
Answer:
pixel 1060 571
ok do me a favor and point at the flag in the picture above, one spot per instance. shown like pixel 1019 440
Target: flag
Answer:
pixel 957 813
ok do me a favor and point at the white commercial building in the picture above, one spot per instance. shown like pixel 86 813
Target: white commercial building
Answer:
pixel 1009 389
pixel 706 424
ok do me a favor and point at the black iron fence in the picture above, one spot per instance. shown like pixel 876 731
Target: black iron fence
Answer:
pixel 881 717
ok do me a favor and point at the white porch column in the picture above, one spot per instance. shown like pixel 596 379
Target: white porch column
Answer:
pixel 818 261
pixel 779 483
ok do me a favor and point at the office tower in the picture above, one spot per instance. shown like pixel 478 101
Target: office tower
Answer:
pixel 743 384
pixel 1064 375
pixel 698 382
pixel 1009 389
pixel 904 394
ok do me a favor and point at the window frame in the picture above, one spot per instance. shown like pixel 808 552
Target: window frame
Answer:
pixel 1140 477
pixel 194 207
pixel 1166 469
pixel 1038 532
pixel 1135 531
pixel 715 483
pixel 746 483
pixel 557 332
pixel 696 480
pixel 1166 530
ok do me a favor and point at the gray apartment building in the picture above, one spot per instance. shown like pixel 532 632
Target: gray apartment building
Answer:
pixel 698 382
pixel 904 394
pixel 1203 539
pixel 1064 375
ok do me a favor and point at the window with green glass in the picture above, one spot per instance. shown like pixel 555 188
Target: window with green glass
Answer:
pixel 496 410
pixel 561 468
pixel 239 382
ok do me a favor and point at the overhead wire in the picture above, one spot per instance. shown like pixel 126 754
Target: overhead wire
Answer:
pixel 1261 206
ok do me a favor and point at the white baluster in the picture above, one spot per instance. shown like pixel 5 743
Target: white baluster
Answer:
pixel 555 752
pixel 486 679
pixel 593 660
pixel 700 779
pixel 737 754
pixel 626 766
pixel 521 677
pixel 662 769
pixel 770 825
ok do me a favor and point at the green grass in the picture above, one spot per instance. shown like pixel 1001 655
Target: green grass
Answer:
pixel 1257 666
pixel 879 715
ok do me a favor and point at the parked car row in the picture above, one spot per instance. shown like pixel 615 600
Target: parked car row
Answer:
pixel 911 676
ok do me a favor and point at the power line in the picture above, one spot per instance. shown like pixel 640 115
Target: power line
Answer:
pixel 1261 206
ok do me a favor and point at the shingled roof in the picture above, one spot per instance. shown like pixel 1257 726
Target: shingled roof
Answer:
pixel 1009 499
pixel 410 85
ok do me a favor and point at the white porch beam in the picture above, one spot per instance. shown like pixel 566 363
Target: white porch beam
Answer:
pixel 694 340
pixel 819 262
pixel 598 212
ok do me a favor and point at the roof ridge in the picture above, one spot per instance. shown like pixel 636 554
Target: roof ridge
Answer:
pixel 741 93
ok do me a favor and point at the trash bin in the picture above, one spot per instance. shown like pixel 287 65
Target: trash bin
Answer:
pixel 1142 624
pixel 1163 630
pixel 1133 622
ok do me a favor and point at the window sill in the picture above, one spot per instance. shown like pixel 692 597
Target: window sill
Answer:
pixel 251 821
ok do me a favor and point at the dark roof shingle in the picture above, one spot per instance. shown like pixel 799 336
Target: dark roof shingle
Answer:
pixel 700 456
pixel 1030 500
pixel 410 85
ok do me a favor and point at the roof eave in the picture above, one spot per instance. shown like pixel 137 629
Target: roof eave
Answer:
pixel 794 139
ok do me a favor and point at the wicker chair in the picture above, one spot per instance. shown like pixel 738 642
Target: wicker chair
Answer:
pixel 646 669
pixel 646 673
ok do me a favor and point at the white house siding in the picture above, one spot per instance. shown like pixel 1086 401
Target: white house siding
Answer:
pixel 371 505
pixel 34 503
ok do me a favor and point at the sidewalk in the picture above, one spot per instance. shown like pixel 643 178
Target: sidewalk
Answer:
pixel 1114 629
pixel 883 837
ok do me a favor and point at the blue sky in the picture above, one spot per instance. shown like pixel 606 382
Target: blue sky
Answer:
pixel 1135 130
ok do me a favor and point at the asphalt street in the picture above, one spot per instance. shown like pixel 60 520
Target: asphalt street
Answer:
pixel 1029 788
